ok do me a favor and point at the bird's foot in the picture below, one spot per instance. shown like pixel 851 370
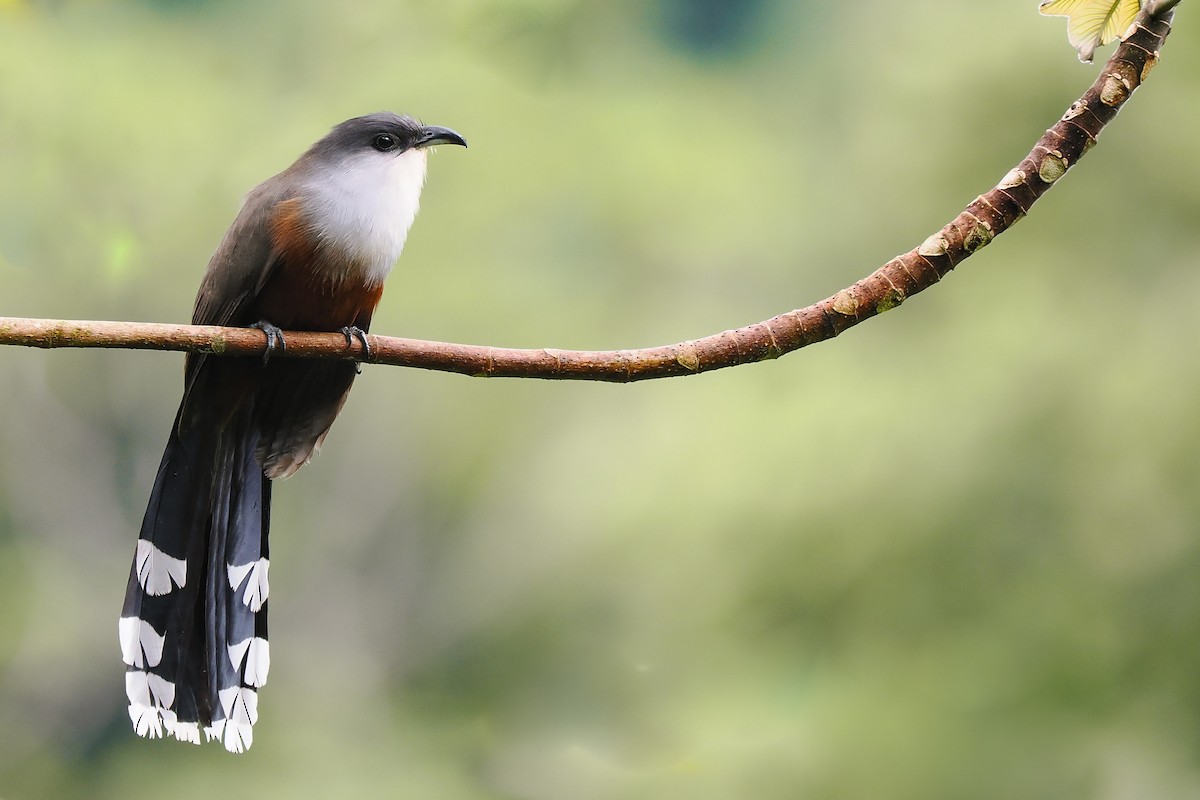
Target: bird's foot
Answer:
pixel 274 338
pixel 352 332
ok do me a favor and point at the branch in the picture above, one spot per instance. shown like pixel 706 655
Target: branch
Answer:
pixel 1160 8
pixel 987 217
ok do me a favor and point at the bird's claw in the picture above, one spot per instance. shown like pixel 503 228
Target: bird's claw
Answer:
pixel 352 332
pixel 274 338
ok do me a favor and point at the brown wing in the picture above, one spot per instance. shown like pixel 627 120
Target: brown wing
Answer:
pixel 239 267
pixel 242 262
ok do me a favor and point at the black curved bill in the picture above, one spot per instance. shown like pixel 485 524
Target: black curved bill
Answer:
pixel 435 134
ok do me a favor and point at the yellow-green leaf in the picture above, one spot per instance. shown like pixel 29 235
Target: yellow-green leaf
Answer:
pixel 1091 23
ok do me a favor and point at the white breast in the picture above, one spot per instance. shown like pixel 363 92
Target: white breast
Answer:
pixel 362 209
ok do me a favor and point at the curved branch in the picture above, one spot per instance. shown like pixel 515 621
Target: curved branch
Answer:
pixel 987 217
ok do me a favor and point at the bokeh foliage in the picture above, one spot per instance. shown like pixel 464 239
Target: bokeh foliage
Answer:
pixel 952 554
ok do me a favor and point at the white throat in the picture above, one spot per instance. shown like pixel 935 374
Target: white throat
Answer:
pixel 363 208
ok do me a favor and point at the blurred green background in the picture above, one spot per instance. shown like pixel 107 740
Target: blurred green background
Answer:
pixel 954 553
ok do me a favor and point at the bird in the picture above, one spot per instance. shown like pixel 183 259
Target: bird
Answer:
pixel 309 251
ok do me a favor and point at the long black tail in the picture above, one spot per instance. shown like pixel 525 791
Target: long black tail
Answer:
pixel 193 630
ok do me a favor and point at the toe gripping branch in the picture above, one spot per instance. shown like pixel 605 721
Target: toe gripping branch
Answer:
pixel 274 338
pixel 352 332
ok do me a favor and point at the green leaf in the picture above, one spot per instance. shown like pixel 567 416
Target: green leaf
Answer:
pixel 1091 23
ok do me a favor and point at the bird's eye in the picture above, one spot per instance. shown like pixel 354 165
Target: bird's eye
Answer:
pixel 384 142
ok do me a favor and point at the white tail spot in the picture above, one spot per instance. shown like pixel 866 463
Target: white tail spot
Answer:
pixel 236 731
pixel 150 699
pixel 149 689
pixel 141 646
pixel 156 570
pixel 185 731
pixel 257 587
pixel 256 653
pixel 146 721
pixel 239 704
